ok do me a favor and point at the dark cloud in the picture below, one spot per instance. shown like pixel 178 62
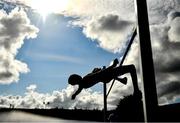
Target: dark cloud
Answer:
pixel 174 46
pixel 171 67
pixel 166 49
pixel 5 75
pixel 171 88
pixel 167 60
pixel 113 23
pixel 173 15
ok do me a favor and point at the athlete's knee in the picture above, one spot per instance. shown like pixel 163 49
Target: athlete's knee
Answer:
pixel 126 69
pixel 131 68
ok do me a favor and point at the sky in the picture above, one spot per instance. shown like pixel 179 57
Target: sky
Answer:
pixel 53 57
pixel 43 42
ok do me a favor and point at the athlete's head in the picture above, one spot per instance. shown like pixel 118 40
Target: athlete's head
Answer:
pixel 74 79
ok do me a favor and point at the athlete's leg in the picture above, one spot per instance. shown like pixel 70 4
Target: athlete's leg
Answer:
pixel 128 69
pixel 122 80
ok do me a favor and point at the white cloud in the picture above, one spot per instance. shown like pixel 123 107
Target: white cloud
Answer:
pixel 87 99
pixel 57 99
pixel 31 88
pixel 109 30
pixel 15 27
pixel 174 30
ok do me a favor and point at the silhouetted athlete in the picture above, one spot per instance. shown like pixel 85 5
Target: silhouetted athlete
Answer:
pixel 104 75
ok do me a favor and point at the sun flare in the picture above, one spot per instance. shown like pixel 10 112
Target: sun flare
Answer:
pixel 45 7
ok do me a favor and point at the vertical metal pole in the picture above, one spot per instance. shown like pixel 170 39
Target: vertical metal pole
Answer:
pixel 147 67
pixel 105 103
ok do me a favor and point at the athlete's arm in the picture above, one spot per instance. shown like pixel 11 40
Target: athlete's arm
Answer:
pixel 76 93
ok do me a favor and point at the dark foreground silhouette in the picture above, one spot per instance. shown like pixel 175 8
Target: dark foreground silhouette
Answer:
pixel 129 110
pixel 104 75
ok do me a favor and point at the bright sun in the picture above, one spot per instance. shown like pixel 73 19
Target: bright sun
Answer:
pixel 45 7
